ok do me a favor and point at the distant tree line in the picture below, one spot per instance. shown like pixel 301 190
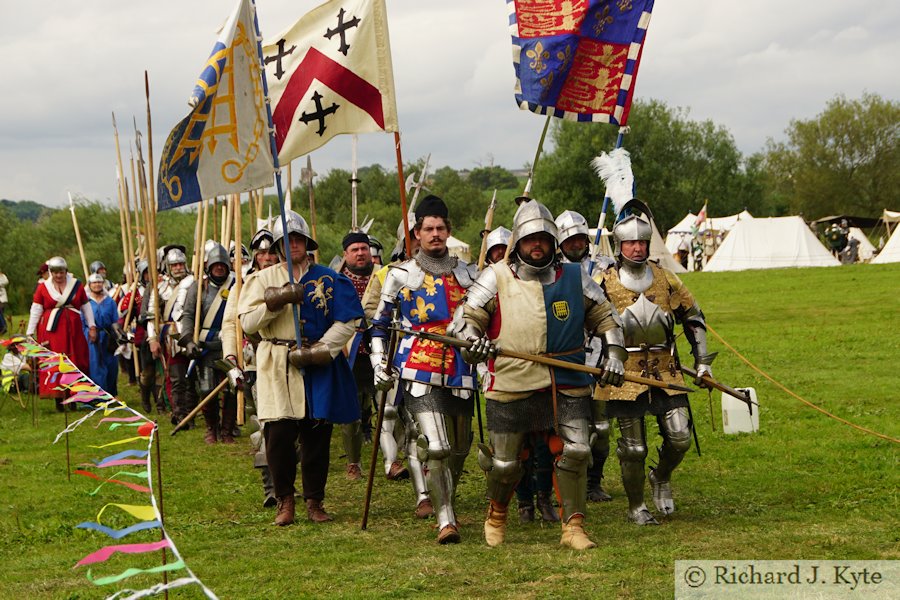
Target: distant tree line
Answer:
pixel 846 160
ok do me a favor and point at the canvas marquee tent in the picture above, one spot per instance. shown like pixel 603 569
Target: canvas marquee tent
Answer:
pixel 770 243
pixel 717 224
pixel 891 251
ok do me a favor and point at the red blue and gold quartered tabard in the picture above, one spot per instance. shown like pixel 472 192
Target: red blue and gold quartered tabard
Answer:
pixel 578 59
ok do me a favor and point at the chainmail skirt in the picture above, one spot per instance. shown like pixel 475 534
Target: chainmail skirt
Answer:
pixel 441 400
pixel 535 413
pixel 653 402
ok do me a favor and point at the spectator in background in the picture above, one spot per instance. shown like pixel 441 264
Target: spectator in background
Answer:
pixel 4 281
pixel 13 362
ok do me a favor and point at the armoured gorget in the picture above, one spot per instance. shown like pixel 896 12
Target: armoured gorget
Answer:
pixel 545 274
pixel 637 278
pixel 436 266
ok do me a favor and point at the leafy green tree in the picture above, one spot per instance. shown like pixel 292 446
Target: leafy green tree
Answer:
pixel 844 161
pixel 678 165
pixel 489 178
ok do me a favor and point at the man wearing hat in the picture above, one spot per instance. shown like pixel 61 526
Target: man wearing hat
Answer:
pixel 357 266
pixel 437 383
pixel 302 390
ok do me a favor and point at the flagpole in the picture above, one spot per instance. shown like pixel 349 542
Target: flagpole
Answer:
pixel 354 225
pixel 308 174
pixel 407 239
pixel 274 150
pixel 238 264
pixel 602 220
pixel 537 155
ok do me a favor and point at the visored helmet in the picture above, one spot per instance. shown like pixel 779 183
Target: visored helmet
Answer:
pixel 632 227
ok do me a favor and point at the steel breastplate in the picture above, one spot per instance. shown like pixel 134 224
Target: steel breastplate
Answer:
pixel 646 325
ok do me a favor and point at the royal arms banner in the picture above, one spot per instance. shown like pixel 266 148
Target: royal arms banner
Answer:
pixel 578 59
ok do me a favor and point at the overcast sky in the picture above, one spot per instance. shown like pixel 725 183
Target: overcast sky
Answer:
pixel 749 66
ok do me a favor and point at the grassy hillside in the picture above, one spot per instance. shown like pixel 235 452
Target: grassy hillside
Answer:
pixel 804 487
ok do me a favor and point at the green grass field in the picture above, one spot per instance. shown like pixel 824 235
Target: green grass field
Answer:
pixel 804 487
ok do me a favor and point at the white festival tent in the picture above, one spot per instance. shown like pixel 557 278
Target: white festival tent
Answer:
pixel 656 252
pixel 891 251
pixel 686 225
pixel 770 243
pixel 459 249
pixel 866 249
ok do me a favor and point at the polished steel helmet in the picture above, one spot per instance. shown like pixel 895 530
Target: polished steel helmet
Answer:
pixel 570 223
pixel 175 256
pixel 295 224
pixel 142 266
pixel 57 263
pixel 631 226
pixel 95 278
pixel 262 240
pixel 96 266
pixel 498 237
pixel 533 217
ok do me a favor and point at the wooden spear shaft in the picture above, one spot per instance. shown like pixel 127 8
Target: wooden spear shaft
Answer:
pixel 238 277
pixel 78 237
pixel 406 238
pixel 151 212
pixel 199 277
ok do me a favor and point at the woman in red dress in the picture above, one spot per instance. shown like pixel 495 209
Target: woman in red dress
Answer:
pixel 58 306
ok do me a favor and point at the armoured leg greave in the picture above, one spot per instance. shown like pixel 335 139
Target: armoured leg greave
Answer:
pixel 387 441
pixel 503 467
pixel 416 468
pixel 599 453
pixel 434 450
pixel 632 453
pixel 675 427
pixel 570 471
pixel 459 430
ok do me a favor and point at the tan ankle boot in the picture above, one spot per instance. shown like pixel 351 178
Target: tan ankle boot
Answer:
pixel 574 536
pixel 495 525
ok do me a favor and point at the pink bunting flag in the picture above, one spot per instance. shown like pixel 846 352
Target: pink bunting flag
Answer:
pixel 104 553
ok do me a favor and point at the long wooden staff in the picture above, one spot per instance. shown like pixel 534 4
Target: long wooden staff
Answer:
pixel 379 422
pixel 354 183
pixel 78 237
pixel 308 175
pixel 198 278
pixel 151 210
pixel 404 216
pixel 290 187
pixel 238 263
pixel 545 360
pixel 527 192
pixel 200 406
pixel 123 208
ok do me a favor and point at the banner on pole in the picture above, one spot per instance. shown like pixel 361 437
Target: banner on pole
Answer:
pixel 578 59
pixel 222 146
pixel 330 73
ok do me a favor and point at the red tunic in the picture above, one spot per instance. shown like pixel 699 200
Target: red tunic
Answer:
pixel 67 336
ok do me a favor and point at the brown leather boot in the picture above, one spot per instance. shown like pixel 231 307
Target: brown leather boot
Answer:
pixel 574 536
pixel 449 535
pixel 285 513
pixel 495 524
pixel 424 509
pixel 354 472
pixel 229 418
pixel 316 512
pixel 397 471
pixel 526 511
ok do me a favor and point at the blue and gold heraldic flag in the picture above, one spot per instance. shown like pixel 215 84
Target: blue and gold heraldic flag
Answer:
pixel 578 59
pixel 222 146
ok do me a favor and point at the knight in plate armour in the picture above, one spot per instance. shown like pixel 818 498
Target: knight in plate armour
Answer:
pixel 535 304
pixel 650 300
pixel 437 383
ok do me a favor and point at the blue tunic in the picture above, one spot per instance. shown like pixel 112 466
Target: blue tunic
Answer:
pixel 104 364
pixel 330 390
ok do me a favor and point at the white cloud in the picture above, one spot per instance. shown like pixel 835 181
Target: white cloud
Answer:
pixel 750 66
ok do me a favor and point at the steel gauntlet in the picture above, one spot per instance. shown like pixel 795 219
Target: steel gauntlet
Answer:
pixel 278 297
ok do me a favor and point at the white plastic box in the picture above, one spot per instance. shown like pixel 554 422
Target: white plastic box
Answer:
pixel 736 417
